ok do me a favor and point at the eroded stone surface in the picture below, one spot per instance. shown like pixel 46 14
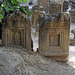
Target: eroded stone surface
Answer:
pixel 56 6
pixel 37 11
pixel 45 4
pixel 54 36
pixel 16 30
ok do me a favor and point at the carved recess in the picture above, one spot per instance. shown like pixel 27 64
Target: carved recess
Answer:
pixel 54 40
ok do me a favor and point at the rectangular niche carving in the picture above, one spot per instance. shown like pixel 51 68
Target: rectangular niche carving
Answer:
pixel 17 37
pixel 54 40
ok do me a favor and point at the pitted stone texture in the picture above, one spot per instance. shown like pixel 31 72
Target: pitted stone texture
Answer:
pixel 37 11
pixel 54 36
pixel 16 30
pixel 56 6
pixel 45 4
pixel 72 13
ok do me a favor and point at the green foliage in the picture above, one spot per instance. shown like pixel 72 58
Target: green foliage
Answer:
pixel 11 5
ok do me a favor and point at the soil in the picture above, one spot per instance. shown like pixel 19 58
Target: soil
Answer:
pixel 17 61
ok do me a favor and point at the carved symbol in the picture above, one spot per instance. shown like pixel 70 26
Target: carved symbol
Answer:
pixel 54 40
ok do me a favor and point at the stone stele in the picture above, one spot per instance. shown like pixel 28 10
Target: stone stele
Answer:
pixel 16 30
pixel 54 34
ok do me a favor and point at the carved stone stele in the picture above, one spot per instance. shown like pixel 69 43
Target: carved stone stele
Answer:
pixel 16 30
pixel 54 36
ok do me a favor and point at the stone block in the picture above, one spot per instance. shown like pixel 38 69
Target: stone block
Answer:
pixel 45 4
pixel 54 34
pixel 55 8
pixel 36 12
pixel 16 30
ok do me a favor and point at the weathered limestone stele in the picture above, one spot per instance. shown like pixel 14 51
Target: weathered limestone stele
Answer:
pixel 36 12
pixel 45 4
pixel 54 36
pixel 16 30
pixel 56 6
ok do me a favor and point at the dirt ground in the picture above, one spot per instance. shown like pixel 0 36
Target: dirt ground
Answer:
pixel 18 61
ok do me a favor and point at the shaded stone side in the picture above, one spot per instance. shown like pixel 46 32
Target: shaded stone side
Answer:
pixel 54 36
pixel 65 5
pixel 36 12
pixel 16 30
pixel 56 6
pixel 73 4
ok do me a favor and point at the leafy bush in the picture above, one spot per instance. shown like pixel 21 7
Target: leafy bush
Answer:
pixel 7 6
